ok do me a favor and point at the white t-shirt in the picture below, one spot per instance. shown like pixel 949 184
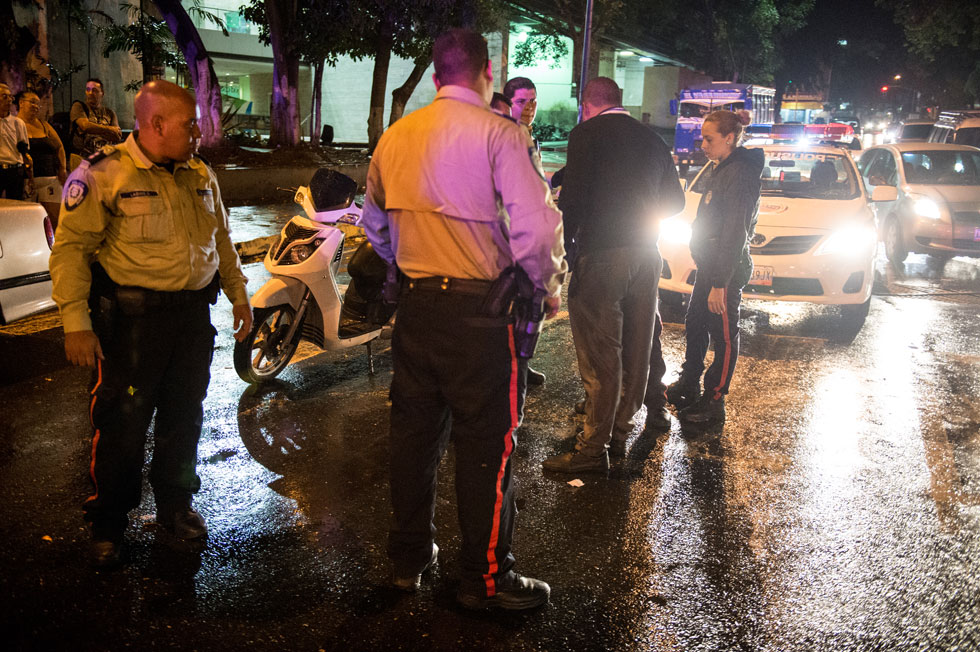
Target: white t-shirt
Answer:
pixel 12 131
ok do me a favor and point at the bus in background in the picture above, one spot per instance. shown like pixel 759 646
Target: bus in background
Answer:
pixel 694 104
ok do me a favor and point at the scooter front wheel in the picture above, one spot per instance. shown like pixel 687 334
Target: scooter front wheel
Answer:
pixel 265 352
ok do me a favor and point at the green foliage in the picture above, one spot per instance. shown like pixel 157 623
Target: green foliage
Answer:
pixel 539 47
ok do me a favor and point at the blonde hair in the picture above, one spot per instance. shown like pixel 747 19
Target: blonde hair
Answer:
pixel 730 122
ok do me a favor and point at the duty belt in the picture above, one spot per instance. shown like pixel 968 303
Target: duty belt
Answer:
pixel 475 287
pixel 10 166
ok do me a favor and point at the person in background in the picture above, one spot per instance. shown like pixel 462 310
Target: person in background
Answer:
pixel 522 97
pixel 500 104
pixel 15 161
pixel 48 154
pixel 720 237
pixel 148 212
pixel 93 125
pixel 455 196
pixel 619 182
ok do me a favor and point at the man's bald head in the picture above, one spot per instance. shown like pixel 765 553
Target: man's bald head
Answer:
pixel 159 97
pixel 166 117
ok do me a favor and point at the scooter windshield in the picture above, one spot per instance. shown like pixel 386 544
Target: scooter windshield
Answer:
pixel 330 198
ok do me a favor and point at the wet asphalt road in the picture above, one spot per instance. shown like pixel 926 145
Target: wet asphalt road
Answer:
pixel 839 508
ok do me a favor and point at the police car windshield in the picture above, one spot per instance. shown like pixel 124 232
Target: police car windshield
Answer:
pixel 942 168
pixel 809 175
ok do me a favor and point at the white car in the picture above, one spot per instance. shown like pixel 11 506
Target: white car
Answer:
pixel 936 206
pixel 26 237
pixel 815 239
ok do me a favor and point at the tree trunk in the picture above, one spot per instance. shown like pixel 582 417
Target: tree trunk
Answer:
pixel 201 69
pixel 284 113
pixel 382 59
pixel 317 103
pixel 401 95
pixel 15 50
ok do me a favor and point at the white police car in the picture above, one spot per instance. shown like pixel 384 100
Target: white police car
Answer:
pixel 26 237
pixel 815 239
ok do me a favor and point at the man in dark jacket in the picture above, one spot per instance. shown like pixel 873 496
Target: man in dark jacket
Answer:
pixel 619 182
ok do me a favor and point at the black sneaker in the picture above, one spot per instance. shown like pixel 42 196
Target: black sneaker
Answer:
pixel 708 410
pixel 182 521
pixel 534 377
pixel 682 393
pixel 517 593
pixel 658 418
pixel 411 583
pixel 577 462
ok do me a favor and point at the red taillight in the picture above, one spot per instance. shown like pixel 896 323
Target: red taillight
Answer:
pixel 49 231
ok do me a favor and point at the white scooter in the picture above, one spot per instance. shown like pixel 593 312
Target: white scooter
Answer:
pixel 302 301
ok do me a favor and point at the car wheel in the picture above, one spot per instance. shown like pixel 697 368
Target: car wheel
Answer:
pixel 894 242
pixel 671 298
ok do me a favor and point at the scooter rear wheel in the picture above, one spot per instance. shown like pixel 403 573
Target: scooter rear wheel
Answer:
pixel 265 353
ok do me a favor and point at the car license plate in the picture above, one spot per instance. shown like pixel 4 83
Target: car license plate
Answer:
pixel 976 235
pixel 761 276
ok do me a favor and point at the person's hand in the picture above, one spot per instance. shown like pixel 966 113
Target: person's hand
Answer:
pixel 242 313
pixel 551 306
pixel 62 176
pixel 116 132
pixel 716 300
pixel 82 348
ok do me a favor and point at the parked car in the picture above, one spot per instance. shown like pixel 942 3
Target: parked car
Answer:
pixel 936 208
pixel 957 127
pixel 815 239
pixel 26 236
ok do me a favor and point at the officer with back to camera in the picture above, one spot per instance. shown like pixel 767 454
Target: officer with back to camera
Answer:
pixel 148 212
pixel 455 195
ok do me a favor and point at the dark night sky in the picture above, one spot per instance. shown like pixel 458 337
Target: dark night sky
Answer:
pixel 874 53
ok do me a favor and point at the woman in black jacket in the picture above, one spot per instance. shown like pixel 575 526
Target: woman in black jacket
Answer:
pixel 720 237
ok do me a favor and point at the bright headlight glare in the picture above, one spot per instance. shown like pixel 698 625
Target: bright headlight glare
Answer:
pixel 850 241
pixel 675 231
pixel 925 207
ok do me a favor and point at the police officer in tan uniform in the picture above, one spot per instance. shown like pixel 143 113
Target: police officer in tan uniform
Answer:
pixel 441 185
pixel 139 254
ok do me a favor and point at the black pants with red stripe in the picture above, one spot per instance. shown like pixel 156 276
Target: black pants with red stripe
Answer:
pixel 699 325
pixel 455 379
pixel 158 362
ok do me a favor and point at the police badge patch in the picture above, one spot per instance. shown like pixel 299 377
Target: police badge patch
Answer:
pixel 75 194
pixel 536 162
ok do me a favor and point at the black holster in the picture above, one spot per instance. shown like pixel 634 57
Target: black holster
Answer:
pixel 513 293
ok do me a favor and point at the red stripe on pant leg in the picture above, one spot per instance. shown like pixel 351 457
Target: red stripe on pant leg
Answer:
pixel 95 437
pixel 728 344
pixel 508 448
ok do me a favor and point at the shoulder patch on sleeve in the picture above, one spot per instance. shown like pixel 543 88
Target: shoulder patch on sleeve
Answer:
pixel 75 193
pixel 100 155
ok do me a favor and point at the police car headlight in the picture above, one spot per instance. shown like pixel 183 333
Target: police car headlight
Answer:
pixel 850 242
pixel 925 207
pixel 675 230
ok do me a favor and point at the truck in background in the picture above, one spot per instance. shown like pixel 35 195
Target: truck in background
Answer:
pixel 693 104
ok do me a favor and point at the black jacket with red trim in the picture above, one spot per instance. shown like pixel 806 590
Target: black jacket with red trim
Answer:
pixel 727 216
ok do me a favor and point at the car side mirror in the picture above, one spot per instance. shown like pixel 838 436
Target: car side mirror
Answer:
pixel 884 193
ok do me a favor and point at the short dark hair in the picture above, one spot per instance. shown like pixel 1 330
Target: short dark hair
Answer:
pixel 602 91
pixel 515 84
pixel 459 55
pixel 97 81
pixel 500 98
pixel 19 96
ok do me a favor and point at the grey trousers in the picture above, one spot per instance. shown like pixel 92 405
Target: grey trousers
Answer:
pixel 612 307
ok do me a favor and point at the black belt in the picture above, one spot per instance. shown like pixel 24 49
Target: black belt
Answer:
pixel 10 166
pixel 475 287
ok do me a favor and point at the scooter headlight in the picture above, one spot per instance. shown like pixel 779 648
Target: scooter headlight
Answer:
pixel 299 253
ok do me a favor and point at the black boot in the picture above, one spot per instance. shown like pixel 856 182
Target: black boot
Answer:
pixel 682 393
pixel 534 377
pixel 708 410
pixel 658 418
